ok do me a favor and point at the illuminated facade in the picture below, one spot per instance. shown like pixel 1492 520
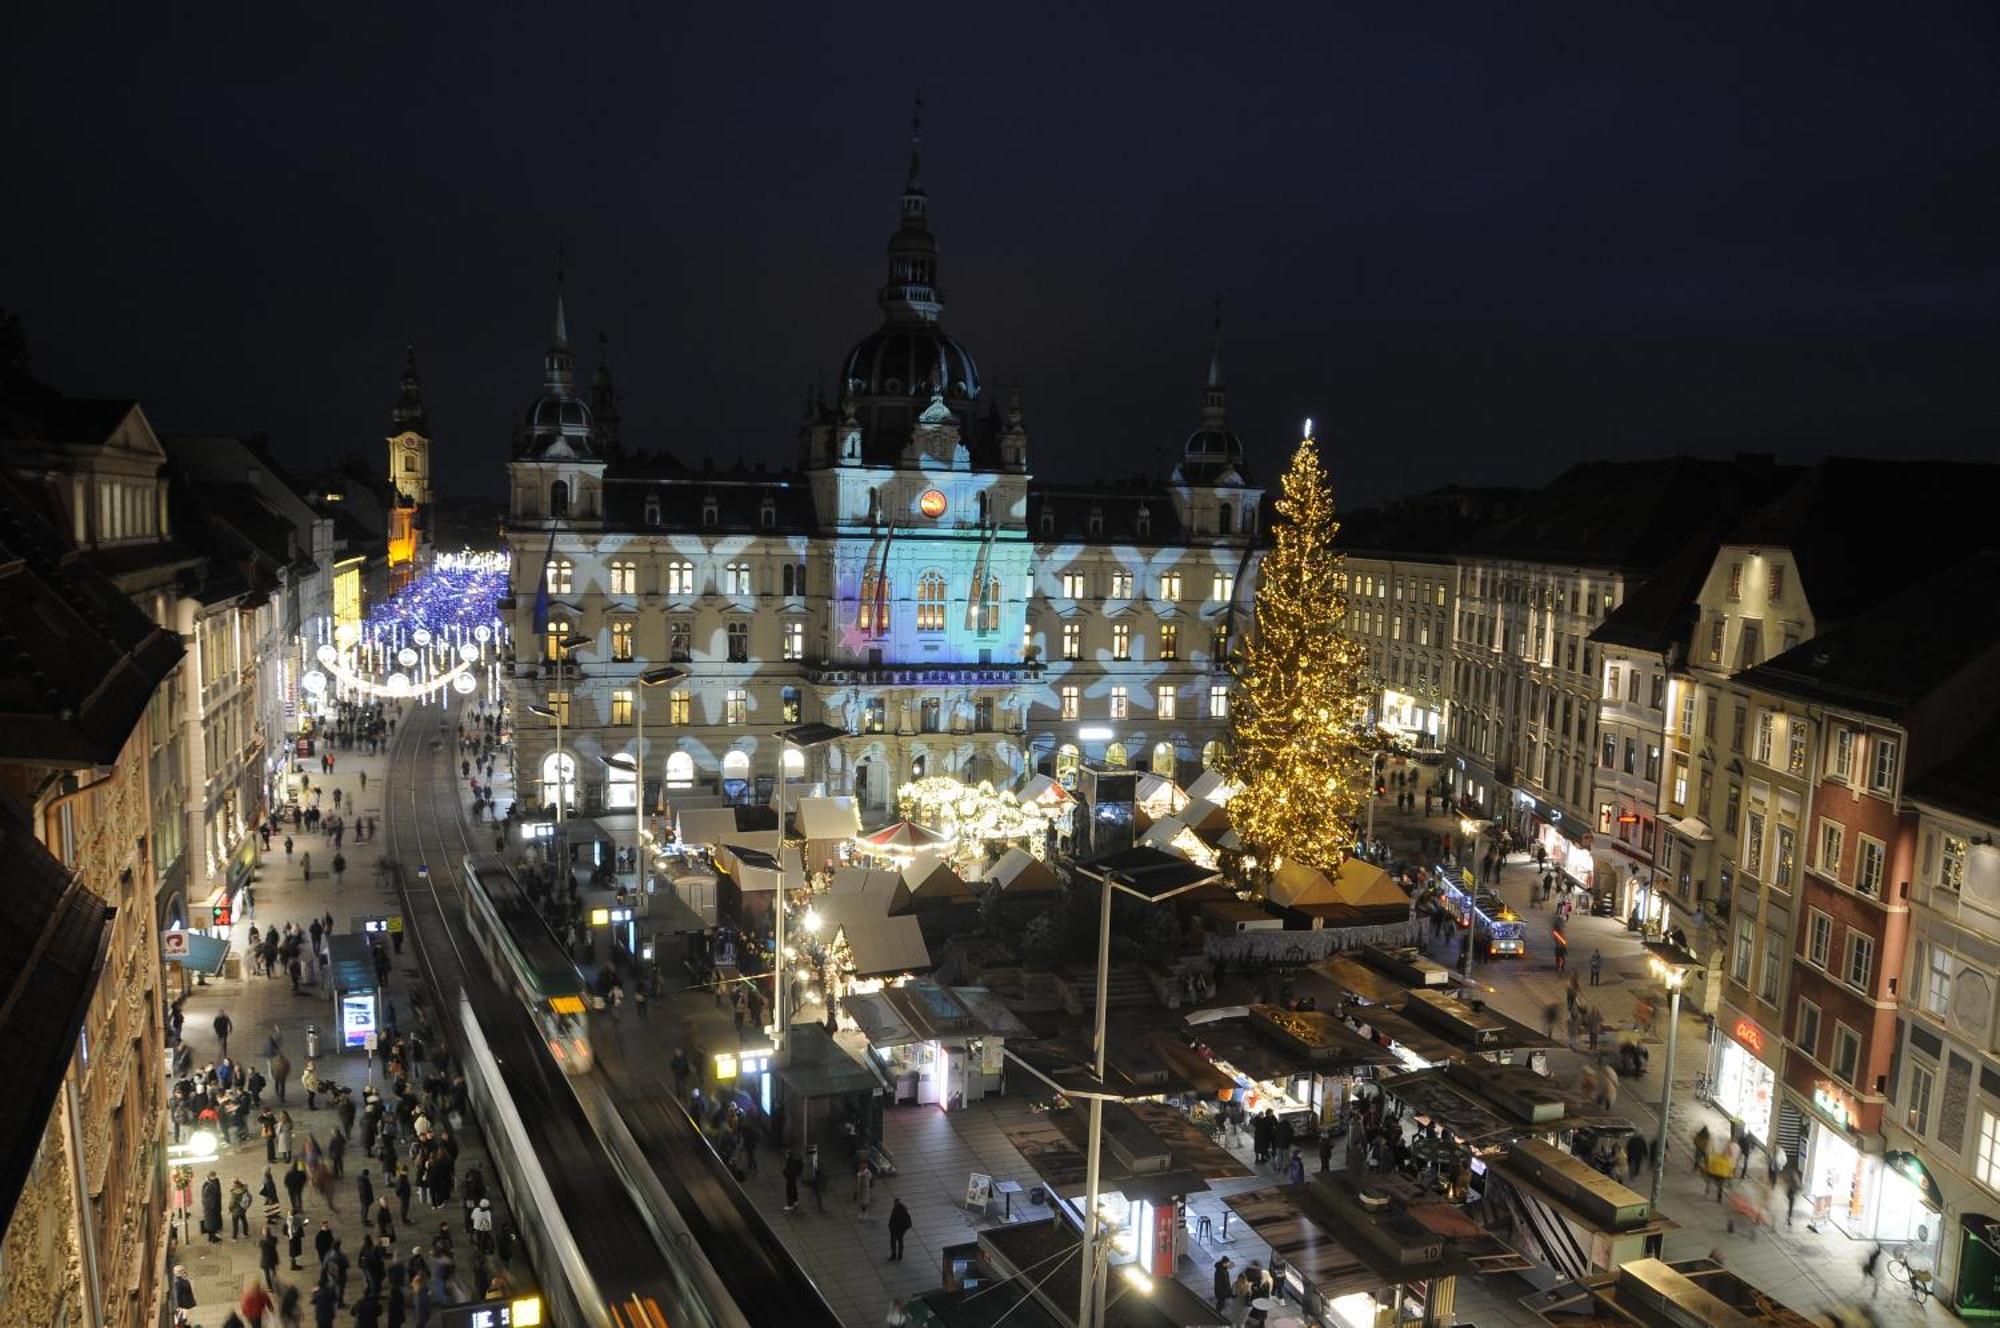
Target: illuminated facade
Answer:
pixel 907 584
pixel 409 477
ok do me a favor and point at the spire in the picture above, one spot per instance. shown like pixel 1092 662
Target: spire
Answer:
pixel 910 295
pixel 558 376
pixel 1215 400
pixel 408 415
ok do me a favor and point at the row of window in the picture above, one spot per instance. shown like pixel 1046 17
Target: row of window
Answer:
pixel 1166 702
pixel 1075 583
pixel 680 641
pixel 1417 590
pixel 1167 642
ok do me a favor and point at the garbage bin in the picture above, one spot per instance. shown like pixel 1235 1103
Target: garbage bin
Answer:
pixel 312 1042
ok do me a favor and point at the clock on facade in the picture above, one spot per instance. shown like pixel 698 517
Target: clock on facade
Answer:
pixel 931 503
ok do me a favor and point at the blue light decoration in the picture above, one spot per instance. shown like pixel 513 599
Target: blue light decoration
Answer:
pixel 439 635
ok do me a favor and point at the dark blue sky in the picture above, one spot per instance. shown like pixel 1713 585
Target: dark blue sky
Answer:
pixel 1477 242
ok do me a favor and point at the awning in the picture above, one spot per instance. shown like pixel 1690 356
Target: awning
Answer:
pixel 1692 828
pixel 193 951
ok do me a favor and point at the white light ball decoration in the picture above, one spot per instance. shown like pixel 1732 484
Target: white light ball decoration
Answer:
pixel 422 636
pixel 465 684
pixel 314 682
pixel 346 635
pixel 482 633
pixel 406 657
pixel 327 654
pixel 398 684
pixel 469 653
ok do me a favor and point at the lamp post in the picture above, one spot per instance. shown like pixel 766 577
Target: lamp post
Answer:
pixel 1670 964
pixel 565 646
pixel 1090 1297
pixel 802 737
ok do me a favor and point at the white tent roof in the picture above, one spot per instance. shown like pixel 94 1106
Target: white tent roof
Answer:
pixel 880 944
pixel 1210 786
pixel 829 818
pixel 1043 789
pixel 706 827
pixel 1159 794
pixel 1162 833
pixel 1018 870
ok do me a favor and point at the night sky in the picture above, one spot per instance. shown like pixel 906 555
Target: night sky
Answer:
pixel 1477 242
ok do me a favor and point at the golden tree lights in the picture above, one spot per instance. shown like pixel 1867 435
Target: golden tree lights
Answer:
pixel 1301 689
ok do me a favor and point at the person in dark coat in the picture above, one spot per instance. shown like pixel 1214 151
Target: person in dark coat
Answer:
pixel 295 1237
pixel 900 1223
pixel 211 1208
pixel 323 1242
pixel 1222 1284
pixel 336 1152
pixel 323 1306
pixel 794 1168
pixel 295 1184
pixel 267 1258
pixel 364 1188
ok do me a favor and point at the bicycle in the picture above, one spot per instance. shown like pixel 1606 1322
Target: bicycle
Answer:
pixel 1918 1279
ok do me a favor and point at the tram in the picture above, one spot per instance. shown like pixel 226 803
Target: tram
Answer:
pixel 518 943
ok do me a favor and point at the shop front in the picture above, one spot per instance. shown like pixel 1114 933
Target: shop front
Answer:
pixel 1848 1182
pixel 1565 842
pixel 1744 1084
pixel 935 1045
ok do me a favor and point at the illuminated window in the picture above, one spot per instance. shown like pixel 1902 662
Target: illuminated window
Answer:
pixel 1832 836
pixel 989 606
pixel 789 706
pixel 1117 754
pixel 930 602
pixel 559 707
pixel 552 647
pixel 680 708
pixel 624 578
pixel 680 770
pixel 876 612
pixel 1072 645
pixel 1028 588
pixel 1870 860
pixel 621 642
pixel 1164 701
pixel 1118 703
pixel 736 579
pixel 1843 754
pixel 1121 584
pixel 1070 696
pixel 736 706
pixel 1882 769
pixel 1027 638
pixel 1219 642
pixel 561 573
pixel 874 715
pixel 1952 851
pixel 1767 727
pixel 1218 701
pixel 1170 586
pixel 680 641
pixel 1170 640
pixel 1074 585
pixel 680 577
pixel 621 708
pixel 1225 587
pixel 1121 641
pixel 1736 580
pixel 1211 754
pixel 739 642
pixel 795 639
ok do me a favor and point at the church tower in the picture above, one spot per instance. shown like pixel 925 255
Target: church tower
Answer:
pixel 409 475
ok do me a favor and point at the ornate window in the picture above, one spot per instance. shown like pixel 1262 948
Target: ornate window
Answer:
pixel 930 602
pixel 1119 705
pixel 1170 641
pixel 876 612
pixel 621 642
pixel 739 642
pixel 561 574
pixel 989 606
pixel 680 577
pixel 624 577
pixel 795 639
pixel 1121 641
pixel 736 706
pixel 736 579
pixel 680 709
pixel 621 708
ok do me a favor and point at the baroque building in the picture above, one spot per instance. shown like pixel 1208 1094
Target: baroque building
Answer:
pixel 409 488
pixel 907 584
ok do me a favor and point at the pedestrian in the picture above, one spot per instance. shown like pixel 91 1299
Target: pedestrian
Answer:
pixel 815 1178
pixel 1325 1153
pixel 183 1288
pixel 267 1258
pixel 339 868
pixel 223 1026
pixel 323 1305
pixel 281 1070
pixel 794 1168
pixel 900 1223
pixel 1596 967
pixel 306 866
pixel 1295 1169
pixel 1871 1269
pixel 1635 1156
pixel 364 1186
pixel 239 1210
pixel 295 1237
pixel 295 1184
pixel 864 1183
pixel 288 848
pixel 1223 1283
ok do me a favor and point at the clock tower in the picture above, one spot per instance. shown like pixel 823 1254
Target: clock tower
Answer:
pixel 409 476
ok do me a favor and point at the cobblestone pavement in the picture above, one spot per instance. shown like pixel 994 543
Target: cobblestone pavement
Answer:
pixel 259 1005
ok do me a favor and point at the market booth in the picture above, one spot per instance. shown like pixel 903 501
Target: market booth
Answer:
pixel 1657 1293
pixel 935 1045
pixel 1300 1064
pixel 824 1088
pixel 828 827
pixel 1028 1275
pixel 1348 1250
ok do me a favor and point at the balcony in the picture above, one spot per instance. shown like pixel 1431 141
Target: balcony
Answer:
pixel 923 675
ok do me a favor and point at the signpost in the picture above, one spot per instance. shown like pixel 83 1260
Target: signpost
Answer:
pixel 978 1191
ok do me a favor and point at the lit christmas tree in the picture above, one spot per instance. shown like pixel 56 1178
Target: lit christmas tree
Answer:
pixel 1301 690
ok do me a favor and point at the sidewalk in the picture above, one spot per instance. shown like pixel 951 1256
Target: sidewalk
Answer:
pixel 258 1005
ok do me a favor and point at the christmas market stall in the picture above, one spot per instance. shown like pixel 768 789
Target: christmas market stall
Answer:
pixel 1299 1064
pixel 935 1045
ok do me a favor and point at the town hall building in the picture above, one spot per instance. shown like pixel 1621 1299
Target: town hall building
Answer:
pixel 908 585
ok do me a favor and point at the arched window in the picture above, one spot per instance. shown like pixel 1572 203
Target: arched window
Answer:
pixel 876 613
pixel 1163 760
pixel 989 606
pixel 795 763
pixel 409 463
pixel 918 765
pixel 559 778
pixel 559 499
pixel 735 774
pixel 930 602
pixel 1068 758
pixel 680 770
pixel 1116 754
pixel 1211 754
pixel 621 783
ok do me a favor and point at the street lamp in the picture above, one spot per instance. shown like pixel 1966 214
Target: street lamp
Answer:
pixel 803 737
pixel 654 677
pixel 565 646
pixel 1174 877
pixel 1670 963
